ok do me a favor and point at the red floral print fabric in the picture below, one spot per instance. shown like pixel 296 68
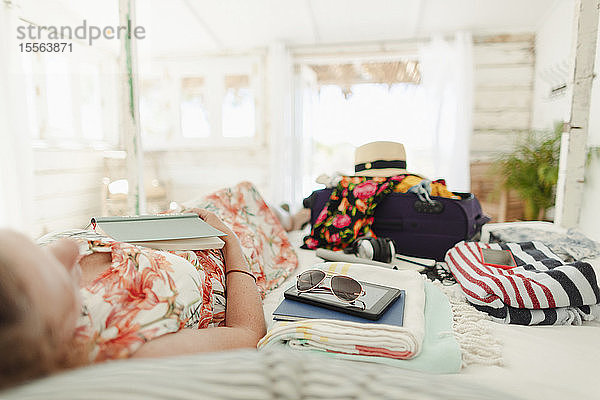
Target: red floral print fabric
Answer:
pixel 148 293
pixel 264 241
pixel 349 212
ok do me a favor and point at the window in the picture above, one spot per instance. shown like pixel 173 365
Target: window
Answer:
pixel 212 102
pixel 90 103
pixel 32 95
pixel 154 110
pixel 59 122
pixel 71 99
pixel 374 111
pixel 358 103
pixel 194 114
pixel 238 115
pixel 388 113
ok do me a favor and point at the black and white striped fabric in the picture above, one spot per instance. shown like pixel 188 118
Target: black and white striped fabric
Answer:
pixel 541 290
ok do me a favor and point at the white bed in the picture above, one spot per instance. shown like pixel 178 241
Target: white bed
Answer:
pixel 538 363
pixel 547 362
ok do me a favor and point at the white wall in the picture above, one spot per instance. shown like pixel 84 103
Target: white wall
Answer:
pixel 193 173
pixel 554 48
pixel 195 167
pixel 67 188
pixel 554 63
pixel 589 219
pixel 503 76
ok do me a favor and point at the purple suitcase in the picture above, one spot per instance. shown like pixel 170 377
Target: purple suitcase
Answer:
pixel 418 228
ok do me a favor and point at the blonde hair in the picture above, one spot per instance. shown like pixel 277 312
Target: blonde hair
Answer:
pixel 29 347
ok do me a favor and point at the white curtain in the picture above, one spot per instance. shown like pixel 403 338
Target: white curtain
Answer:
pixel 285 172
pixel 305 97
pixel 447 77
pixel 16 161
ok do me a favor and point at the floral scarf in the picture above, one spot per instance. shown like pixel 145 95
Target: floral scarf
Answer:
pixel 349 212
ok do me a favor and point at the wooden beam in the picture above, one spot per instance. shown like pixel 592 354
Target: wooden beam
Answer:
pixel 569 194
pixel 129 110
pixel 504 38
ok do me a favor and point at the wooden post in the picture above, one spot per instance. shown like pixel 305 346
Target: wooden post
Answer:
pixel 569 193
pixel 129 110
pixel 503 205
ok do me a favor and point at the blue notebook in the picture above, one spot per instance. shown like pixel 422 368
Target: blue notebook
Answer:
pixel 290 310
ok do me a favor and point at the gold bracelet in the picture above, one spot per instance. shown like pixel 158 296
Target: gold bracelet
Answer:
pixel 243 272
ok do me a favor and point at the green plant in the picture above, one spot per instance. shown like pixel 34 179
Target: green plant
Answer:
pixel 593 152
pixel 532 170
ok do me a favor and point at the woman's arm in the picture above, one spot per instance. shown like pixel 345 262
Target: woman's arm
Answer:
pixel 244 318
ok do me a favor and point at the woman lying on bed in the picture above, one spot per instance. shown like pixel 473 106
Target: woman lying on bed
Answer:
pixel 135 302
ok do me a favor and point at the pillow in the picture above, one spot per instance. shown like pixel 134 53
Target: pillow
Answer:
pixel 251 374
pixel 264 241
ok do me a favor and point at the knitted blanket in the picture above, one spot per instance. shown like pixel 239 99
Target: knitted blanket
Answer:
pixel 540 290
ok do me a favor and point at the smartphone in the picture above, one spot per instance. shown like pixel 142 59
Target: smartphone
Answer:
pixel 498 258
pixel 376 299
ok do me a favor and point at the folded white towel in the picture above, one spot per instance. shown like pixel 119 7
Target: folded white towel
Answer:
pixel 402 342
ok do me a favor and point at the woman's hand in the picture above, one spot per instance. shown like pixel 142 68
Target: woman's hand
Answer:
pixel 234 256
pixel 244 317
pixel 214 221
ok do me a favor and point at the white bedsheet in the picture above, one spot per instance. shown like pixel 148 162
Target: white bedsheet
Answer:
pixel 540 362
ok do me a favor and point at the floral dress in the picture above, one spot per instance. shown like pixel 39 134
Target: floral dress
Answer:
pixel 264 242
pixel 145 294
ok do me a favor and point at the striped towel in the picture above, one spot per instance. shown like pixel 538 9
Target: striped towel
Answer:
pixel 541 290
pixel 364 339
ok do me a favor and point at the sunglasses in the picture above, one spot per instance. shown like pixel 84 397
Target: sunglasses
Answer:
pixel 345 288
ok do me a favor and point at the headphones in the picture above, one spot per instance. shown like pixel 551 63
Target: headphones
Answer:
pixel 376 249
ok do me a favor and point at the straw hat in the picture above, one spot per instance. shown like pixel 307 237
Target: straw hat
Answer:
pixel 380 159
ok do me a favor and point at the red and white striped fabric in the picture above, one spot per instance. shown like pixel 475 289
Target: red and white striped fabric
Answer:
pixel 540 290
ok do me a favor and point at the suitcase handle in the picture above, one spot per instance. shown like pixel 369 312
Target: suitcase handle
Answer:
pixel 426 207
pixel 481 220
pixel 478 223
